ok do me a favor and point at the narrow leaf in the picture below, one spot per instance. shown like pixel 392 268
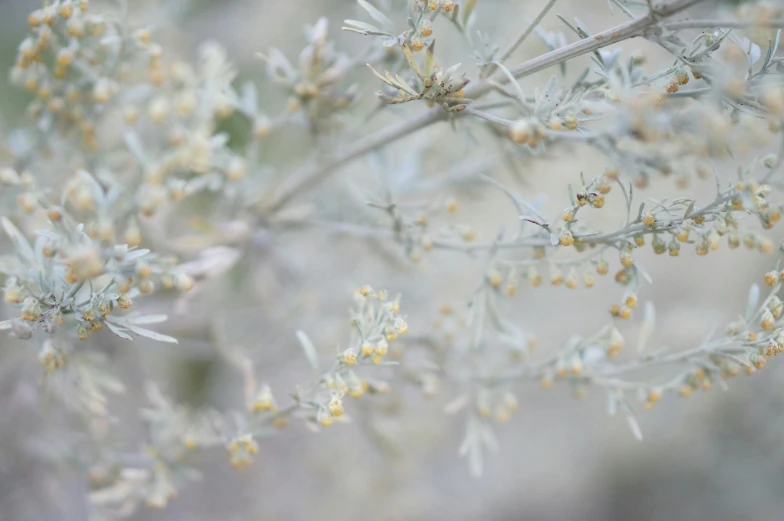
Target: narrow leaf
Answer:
pixel 377 15
pixel 153 335
pixel 310 350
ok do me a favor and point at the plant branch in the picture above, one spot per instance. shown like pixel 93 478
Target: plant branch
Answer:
pixel 512 48
pixel 313 173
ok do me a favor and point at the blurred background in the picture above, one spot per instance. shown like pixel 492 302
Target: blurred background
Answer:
pixel 718 455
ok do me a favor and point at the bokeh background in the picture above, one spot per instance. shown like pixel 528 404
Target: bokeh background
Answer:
pixel 717 456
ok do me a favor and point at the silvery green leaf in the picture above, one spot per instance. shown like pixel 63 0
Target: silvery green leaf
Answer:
pixel 215 182
pixel 97 189
pixel 405 86
pixel 136 254
pixel 309 349
pixel 488 437
pixel 451 70
pixel 752 303
pixel 47 234
pixel 5 324
pixel 45 122
pixel 552 83
pixel 113 195
pixel 362 28
pixel 554 240
pixel 471 447
pixel 220 139
pixel 644 273
pixel 118 331
pixel 689 209
pixel 612 403
pixel 453 406
pixel 634 426
pixel 23 247
pixel 250 97
pixel 136 146
pixel 468 8
pixel 39 280
pixel 146 319
pixel 38 246
pixel 377 15
pixel 153 335
pixel 196 184
pixel 478 317
pixel 648 326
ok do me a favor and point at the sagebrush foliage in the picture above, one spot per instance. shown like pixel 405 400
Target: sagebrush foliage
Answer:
pixel 120 132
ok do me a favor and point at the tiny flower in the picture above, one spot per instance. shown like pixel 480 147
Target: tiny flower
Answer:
pixel 597 201
pixel 616 343
pixel 757 360
pixel 495 278
pixel 349 357
pixel 520 131
pixel 658 244
pixel 382 347
pixel 566 237
pixel 588 279
pixel 335 407
pixel 400 326
pixel 534 278
pixel 31 310
pixel 183 282
pixel 571 279
pixel 123 302
pixel 674 247
pixel 556 277
pixel 264 401
pixel 324 417
pixel 767 321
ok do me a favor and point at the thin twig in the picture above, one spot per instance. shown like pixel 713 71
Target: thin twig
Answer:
pixel 512 48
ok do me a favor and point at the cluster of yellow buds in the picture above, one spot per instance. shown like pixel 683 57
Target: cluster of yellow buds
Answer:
pixel 529 132
pixel 313 87
pixel 615 342
pixel 242 450
pixel 160 493
pixel 377 323
pixel 498 405
pixel 69 76
pixel 624 310
pixel 264 401
pixel 51 357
